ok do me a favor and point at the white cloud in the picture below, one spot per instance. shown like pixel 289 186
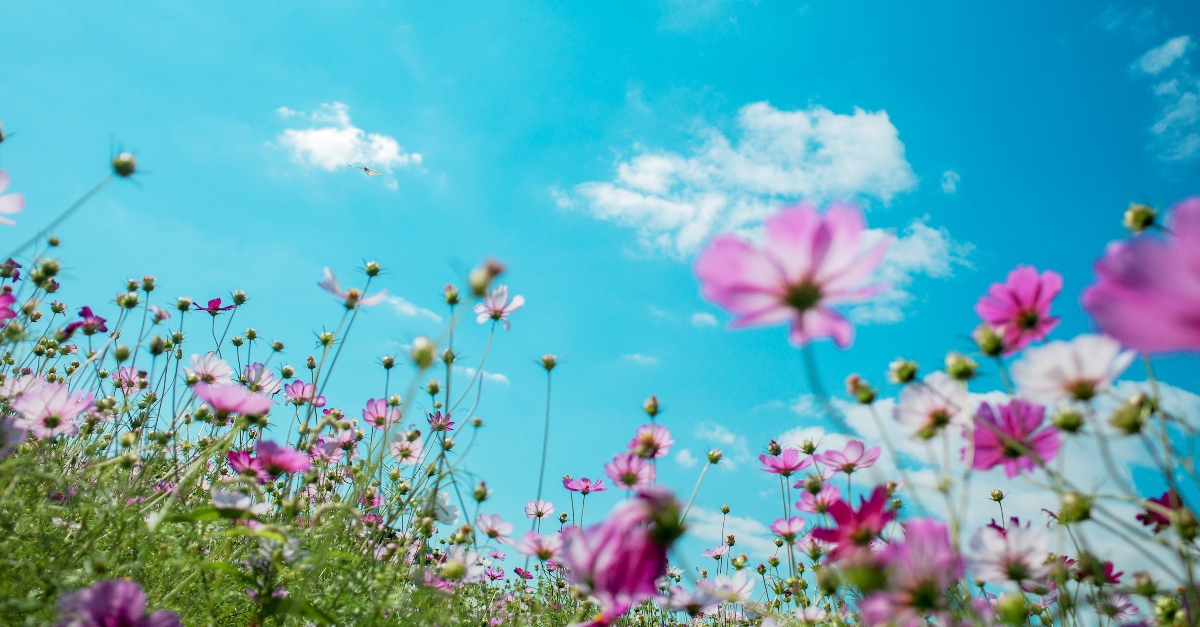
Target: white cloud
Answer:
pixel 405 308
pixel 641 360
pixel 703 319
pixel 920 251
pixel 685 458
pixel 735 451
pixel 950 180
pixel 677 201
pixel 691 15
pixel 487 376
pixel 753 538
pixel 1162 57
pixel 338 143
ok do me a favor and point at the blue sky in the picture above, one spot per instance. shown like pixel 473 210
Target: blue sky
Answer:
pixel 593 147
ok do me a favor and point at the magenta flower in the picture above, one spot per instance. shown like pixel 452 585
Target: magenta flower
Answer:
pixel 785 463
pixel 583 485
pixel 1013 439
pixel 496 306
pixel 214 307
pixel 6 306
pixel 1157 516
pixel 111 603
pixel 50 410
pixel 808 263
pixel 851 458
pixel 230 399
pixel 1019 308
pixel 856 529
pixel 619 560
pixel 539 509
pixel 9 203
pixel 651 442
pixel 539 545
pixel 299 393
pixel 788 528
pixel 522 573
pixel 1147 291
pixel 920 569
pixel 379 414
pixel 629 471
pixel 820 502
pixel 242 463
pixel 89 322
pixel 279 460
pixel 352 296
pixel 438 422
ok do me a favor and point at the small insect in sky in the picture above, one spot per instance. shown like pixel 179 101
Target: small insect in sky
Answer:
pixel 364 168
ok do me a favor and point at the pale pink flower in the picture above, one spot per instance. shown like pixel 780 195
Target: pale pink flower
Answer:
pixel 14 386
pixel 819 503
pixel 735 589
pixel 379 414
pixel 694 603
pixel 931 406
pixel 717 552
pixel 299 393
pixel 494 527
pixel 9 203
pixel 10 436
pixel 788 528
pixel 127 379
pixel 229 399
pixel 1015 553
pixel 111 603
pixel 352 296
pixel 539 545
pixel 1116 606
pixel 851 458
pixel 496 306
pixel 920 569
pixel 1075 370
pixel 785 463
pixel 1019 308
pixel 629 471
pixel 50 410
pixel 1013 439
pixel 583 485
pixel 258 379
pixel 209 368
pixel 808 263
pixel 407 452
pixel 539 509
pixel 651 441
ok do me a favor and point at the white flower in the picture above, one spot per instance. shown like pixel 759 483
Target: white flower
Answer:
pixel 811 614
pixel 933 405
pixel 734 589
pixel 1016 554
pixel 259 379
pixel 225 499
pixel 462 565
pixel 1075 370
pixel 444 511
pixel 210 369
pixel 695 603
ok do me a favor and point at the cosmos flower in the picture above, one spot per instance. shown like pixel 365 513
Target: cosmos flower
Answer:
pixel 243 463
pixel 788 528
pixel 299 393
pixel 209 368
pixel 735 589
pixel 279 460
pixel 9 203
pixel 230 399
pixel 494 527
pixel 856 528
pixel 717 552
pixel 819 503
pixel 808 264
pixel 50 410
pixel 353 296
pixel 920 568
pixel 259 379
pixel 379 414
pixel 1155 516
pixel 651 442
pixel 540 545
pixel 583 485
pixel 1016 553
pixel 88 321
pixel 1013 438
pixel 160 315
pixel 853 457
pixel 406 451
pixel 111 603
pixel 785 463
pixel 629 471
pixel 440 422
pixel 1019 308
pixel 539 509
pixel 496 306
pixel 933 405
pixel 1116 606
pixel 10 436
pixel 1075 370
pixel 214 307
pixel 6 306
pixel 696 603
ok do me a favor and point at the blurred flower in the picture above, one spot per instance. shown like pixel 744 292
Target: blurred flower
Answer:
pixel 243 463
pixel 539 545
pixel 808 263
pixel 786 463
pixel 50 410
pixel 160 314
pixel 1019 308
pixel 539 509
pixel 694 603
pixel 111 603
pixel 9 203
pixel 10 436
pixel 1116 607
pixel 735 589
pixel 279 460
pixel 462 565
pixel 440 422
pixel 717 552
pixel 1013 439
pixel 819 503
pixel 379 414
pixel 407 452
pixel 1147 290
pixel 231 399
pixel 629 471
pixel 494 527
pixel 259 379
pixel 496 306
pixel 1170 502
pixel 920 568
pixel 353 296
pixel 88 321
pixel 788 528
pixel 214 307
pixel 1075 370
pixel 1016 553
pixel 209 368
pixel 6 309
pixel 853 457
pixel 651 441
pixel 933 405
pixel 856 529
pixel 444 511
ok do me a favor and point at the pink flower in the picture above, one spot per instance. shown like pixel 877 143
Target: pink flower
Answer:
pixel 89 322
pixel 10 436
pixel 851 458
pixel 788 528
pixel 299 393
pixel 1013 439
pixel 242 463
pixel 439 422
pixel 159 314
pixel 258 379
pixel 6 309
pixel 785 463
pixel 407 451
pixel 9 203
pixel 583 485
pixel 920 569
pixel 1170 502
pixel 379 415
pixel 279 460
pixel 717 552
pixel 539 509
pixel 352 296
pixel 651 442
pixel 619 561
pixel 496 306
pixel 820 502
pixel 1019 308
pixel 127 379
pixel 542 546
pixel 50 410
pixel 494 527
pixel 229 399
pixel 807 264
pixel 1015 553
pixel 214 307
pixel 856 529
pixel 629 471
pixel 111 603
pixel 209 368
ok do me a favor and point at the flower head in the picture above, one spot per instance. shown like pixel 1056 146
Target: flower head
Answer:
pixel 786 463
pixel 1075 370
pixel 353 297
pixel 213 307
pixel 808 263
pixel 209 368
pixel 1014 553
pixel 407 450
pixel 629 471
pixel 278 460
pixel 9 203
pixel 932 405
pixel 6 306
pixel 853 457
pixel 379 414
pixel 702 600
pixel 1013 438
pixel 856 529
pixel 496 306
pixel 299 393
pixel 539 509
pixel 788 528
pixel 1170 502
pixel 494 527
pixel 88 322
pixel 230 399
pixel 820 502
pixel 584 486
pixel 440 422
pixel 259 379
pixel 50 410
pixel 651 441
pixel 919 570
pixel 111 603
pixel 243 463
pixel 540 545
pixel 1019 308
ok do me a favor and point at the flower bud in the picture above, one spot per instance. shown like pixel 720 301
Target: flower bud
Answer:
pixel 326 339
pixel 148 283
pixel 714 456
pixel 237 340
pixel 1144 585
pixel 183 303
pixel 1012 609
pixel 422 352
pixel 240 298
pixel 960 367
pixel 1068 420
pixel 433 387
pixel 549 361
pixel 562 517
pixel 448 443
pixel 773 448
pixel 372 268
pixel 388 362
pixel 481 492
pixel 121 353
pixel 651 406
pixel 860 389
pixel 448 356
pixel 724 509
pixel 1075 508
pixel 902 371
pixel 990 342
pixel 158 345
pixel 128 439
pixel 53 241
pixel 58 307
pixel 287 371
pixel 450 293
pixel 124 165
pixel 1131 415
pixel 996 496
pixel 1139 217
pixel 477 422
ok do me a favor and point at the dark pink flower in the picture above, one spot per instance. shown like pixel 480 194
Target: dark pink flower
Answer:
pixel 651 442
pixel 1155 516
pixel 629 471
pixel 853 457
pixel 6 307
pixel 111 603
pixel 1013 439
pixel 807 264
pixel 1019 308
pixel 232 399
pixel 439 422
pixel 242 463
pixel 214 307
pixel 819 503
pixel 279 460
pixel 522 573
pixel 785 463
pixel 584 486
pixel 89 322
pixel 1147 293
pixel 856 529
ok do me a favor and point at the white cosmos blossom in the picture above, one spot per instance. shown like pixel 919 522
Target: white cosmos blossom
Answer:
pixel 210 369
pixel 1015 554
pixel 933 405
pixel 1074 370
pixel 734 589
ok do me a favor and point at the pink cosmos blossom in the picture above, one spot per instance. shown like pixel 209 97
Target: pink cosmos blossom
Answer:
pixel 243 463
pixel 1073 371
pixel 439 422
pixel 213 307
pixel 15 386
pixel 50 410
pixel 619 561
pixel 920 569
pixel 494 527
pixel 209 368
pixel 717 552
pixel 279 460
pixel 851 458
pixel 856 529
pixel 539 509
pixel 299 393
pixel 1013 439
pixel 583 485
pixel 379 414
pixel 160 315
pixel 258 379
pixel 788 528
pixel 651 442
pixel 493 573
pixel 496 306
pixel 1019 308
pixel 735 589
pixel 111 603
pixel 6 306
pixel 1147 291
pixel 813 547
pixel 696 603
pixel 785 463
pixel 522 573
pixel 820 502
pixel 932 405
pixel 540 545
pixel 1015 553
pixel 407 452
pixel 352 296
pixel 629 471
pixel 229 399
pixel 88 321
pixel 1117 607
pixel 9 203
pixel 808 263
pixel 1170 502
